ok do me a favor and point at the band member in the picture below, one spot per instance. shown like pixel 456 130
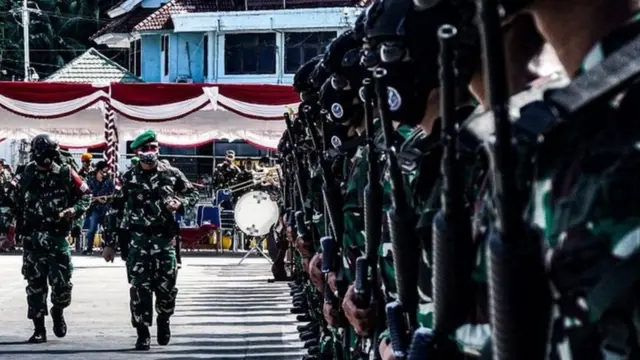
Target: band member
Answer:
pixel 143 209
pixel 102 188
pixel 227 172
pixel 44 199
pixel 87 168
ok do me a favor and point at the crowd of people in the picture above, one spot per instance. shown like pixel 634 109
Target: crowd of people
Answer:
pixel 447 202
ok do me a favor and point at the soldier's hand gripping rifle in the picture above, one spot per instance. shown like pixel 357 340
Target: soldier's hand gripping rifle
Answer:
pixel 518 290
pixel 330 188
pixel 368 294
pixel 453 250
pixel 401 314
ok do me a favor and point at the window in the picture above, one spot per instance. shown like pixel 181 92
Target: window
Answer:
pixel 241 148
pixel 165 52
pixel 135 58
pixel 250 54
pixel 205 56
pixel 301 47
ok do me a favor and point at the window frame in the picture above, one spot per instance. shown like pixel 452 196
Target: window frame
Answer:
pixel 164 49
pixel 318 46
pixel 273 66
pixel 205 56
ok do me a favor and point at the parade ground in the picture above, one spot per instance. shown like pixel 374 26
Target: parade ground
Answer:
pixel 224 311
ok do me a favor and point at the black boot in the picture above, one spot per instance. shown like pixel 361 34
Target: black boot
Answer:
pixel 59 325
pixel 298 310
pixel 163 335
pixel 303 318
pixel 306 327
pixel 313 351
pixel 144 338
pixel 310 343
pixel 40 333
pixel 308 335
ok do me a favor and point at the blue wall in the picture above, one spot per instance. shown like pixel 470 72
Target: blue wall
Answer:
pixel 178 58
pixel 150 58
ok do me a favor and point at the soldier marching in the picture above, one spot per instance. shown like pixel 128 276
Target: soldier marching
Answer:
pixel 443 199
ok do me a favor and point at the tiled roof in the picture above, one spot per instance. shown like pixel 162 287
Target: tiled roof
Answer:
pixel 93 68
pixel 161 19
pixel 124 24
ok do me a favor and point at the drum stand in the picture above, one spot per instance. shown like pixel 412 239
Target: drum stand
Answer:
pixel 257 247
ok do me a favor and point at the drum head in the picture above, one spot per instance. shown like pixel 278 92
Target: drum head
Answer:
pixel 256 213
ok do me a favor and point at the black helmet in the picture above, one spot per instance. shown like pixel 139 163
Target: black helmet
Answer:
pixel 44 149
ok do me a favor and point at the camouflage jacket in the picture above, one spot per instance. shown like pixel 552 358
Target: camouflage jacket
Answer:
pixel 585 194
pixel 353 239
pixel 85 172
pixel 141 202
pixel 37 198
pixel 420 158
pixel 225 175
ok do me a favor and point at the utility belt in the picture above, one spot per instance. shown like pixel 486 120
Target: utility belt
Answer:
pixel 167 230
pixel 53 229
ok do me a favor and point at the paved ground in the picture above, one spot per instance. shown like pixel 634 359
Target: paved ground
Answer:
pixel 224 311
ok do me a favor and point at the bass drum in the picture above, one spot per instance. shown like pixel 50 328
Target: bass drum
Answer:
pixel 255 213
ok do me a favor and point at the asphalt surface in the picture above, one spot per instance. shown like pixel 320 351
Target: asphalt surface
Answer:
pixel 223 311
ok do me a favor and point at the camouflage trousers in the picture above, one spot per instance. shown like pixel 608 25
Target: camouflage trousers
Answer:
pixel 151 268
pixel 46 258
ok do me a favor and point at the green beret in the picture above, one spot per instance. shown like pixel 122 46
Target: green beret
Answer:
pixel 143 139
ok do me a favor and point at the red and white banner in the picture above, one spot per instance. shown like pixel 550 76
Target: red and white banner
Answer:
pixel 181 114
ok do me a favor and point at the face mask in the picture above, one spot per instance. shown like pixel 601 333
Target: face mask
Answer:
pixel 407 101
pixel 43 160
pixel 149 154
pixel 340 106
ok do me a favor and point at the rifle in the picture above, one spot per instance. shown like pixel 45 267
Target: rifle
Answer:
pixel 401 314
pixel 302 190
pixel 368 264
pixel 453 250
pixel 330 189
pixel 518 291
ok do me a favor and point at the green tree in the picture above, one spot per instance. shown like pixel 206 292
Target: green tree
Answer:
pixel 59 31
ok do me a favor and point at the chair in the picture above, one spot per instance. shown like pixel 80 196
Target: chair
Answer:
pixel 211 215
pixel 223 199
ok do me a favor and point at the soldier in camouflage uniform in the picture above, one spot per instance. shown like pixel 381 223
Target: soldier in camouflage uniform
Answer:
pixel 585 193
pixel 87 167
pixel 151 192
pixel 44 199
pixel 226 173
pixel 5 173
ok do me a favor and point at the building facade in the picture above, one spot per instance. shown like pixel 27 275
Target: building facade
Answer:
pixel 224 41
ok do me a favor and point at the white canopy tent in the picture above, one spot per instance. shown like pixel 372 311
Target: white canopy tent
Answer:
pixel 84 116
